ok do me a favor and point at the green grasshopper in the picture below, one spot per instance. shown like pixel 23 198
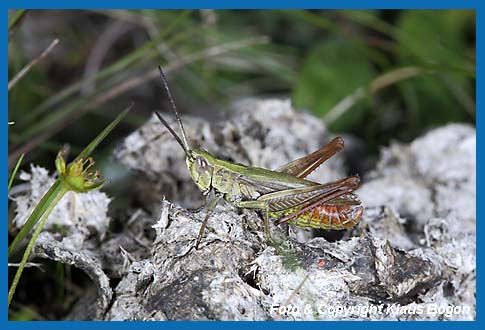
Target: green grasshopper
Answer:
pixel 282 194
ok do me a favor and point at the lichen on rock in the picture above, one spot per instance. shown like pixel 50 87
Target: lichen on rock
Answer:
pixel 396 259
pixel 413 250
pixel 86 213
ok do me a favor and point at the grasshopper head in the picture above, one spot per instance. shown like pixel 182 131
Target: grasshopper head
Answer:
pixel 201 165
pixel 199 162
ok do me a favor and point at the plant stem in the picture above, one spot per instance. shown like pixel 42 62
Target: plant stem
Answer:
pixel 29 66
pixel 377 84
pixel 30 246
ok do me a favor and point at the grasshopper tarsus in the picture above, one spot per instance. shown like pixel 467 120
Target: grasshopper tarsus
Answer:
pixel 283 194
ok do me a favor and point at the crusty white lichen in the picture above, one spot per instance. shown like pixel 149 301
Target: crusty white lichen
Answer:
pixel 86 212
pixel 433 176
pixel 399 259
pixel 67 233
pixel 413 249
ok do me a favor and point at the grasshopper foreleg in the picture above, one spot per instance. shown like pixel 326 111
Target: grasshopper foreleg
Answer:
pixel 211 203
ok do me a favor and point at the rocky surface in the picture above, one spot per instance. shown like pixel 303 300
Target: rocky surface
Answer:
pixel 412 256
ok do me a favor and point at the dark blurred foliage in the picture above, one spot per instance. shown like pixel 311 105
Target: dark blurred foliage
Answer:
pixel 319 58
pixel 377 75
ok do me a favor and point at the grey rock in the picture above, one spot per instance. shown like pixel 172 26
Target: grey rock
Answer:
pixel 47 246
pixel 411 257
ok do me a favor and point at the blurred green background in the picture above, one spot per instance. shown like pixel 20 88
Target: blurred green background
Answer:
pixel 379 75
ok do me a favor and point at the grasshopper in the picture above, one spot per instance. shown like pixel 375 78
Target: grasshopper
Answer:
pixel 283 194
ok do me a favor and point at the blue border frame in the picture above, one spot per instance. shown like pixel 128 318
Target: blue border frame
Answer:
pixel 247 4
pixel 240 4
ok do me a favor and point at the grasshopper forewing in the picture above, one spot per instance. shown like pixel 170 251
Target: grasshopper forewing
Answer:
pixel 282 194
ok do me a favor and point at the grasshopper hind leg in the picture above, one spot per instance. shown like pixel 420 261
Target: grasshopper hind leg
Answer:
pixel 267 229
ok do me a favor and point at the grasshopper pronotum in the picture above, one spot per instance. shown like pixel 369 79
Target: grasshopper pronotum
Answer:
pixel 282 194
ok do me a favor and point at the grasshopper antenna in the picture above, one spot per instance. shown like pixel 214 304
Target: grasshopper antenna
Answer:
pixel 164 122
pixel 172 102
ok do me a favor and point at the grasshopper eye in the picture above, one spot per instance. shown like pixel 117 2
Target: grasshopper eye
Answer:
pixel 201 163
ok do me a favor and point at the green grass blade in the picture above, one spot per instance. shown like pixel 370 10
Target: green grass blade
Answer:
pixel 57 197
pixel 14 172
pixel 121 64
pixel 97 140
pixel 50 196
pixel 16 18
pixel 48 203
pixel 55 116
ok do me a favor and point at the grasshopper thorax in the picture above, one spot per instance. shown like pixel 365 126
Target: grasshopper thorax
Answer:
pixel 201 167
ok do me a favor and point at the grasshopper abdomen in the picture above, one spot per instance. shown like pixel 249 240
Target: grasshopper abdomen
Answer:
pixel 327 217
